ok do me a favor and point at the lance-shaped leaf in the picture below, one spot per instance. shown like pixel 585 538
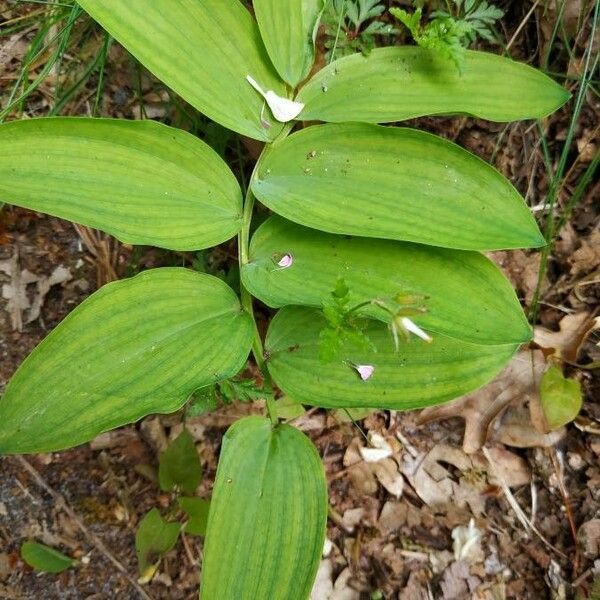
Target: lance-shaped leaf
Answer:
pixel 203 50
pixel 416 375
pixel 467 296
pixel 135 347
pixel 266 525
pixel 143 182
pixel 393 84
pixel 393 183
pixel 288 30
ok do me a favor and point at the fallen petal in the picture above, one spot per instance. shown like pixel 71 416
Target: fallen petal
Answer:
pixel 283 109
pixel 285 261
pixel 465 540
pixel 372 455
pixel 414 328
pixel 255 85
pixel 365 371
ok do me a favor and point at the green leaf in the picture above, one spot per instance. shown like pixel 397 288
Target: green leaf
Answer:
pixel 134 347
pixel 45 559
pixel 266 526
pixel 143 182
pixel 288 408
pixel 179 465
pixel 393 183
pixel 398 83
pixel 153 539
pixel 468 298
pixel 203 50
pixel 561 398
pixel 197 511
pixel 288 30
pixel 417 375
pixel 243 390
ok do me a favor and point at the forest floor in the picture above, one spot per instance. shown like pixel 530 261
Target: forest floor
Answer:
pixel 472 501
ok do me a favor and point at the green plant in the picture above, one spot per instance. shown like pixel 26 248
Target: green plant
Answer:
pixel 399 215
pixel 179 473
pixel 353 25
pixel 450 31
pixel 45 559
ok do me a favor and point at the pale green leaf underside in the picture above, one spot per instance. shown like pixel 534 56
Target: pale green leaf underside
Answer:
pixel 287 30
pixel 266 525
pixel 134 347
pixel 417 375
pixel 469 298
pixel 393 84
pixel 141 181
pixel 393 183
pixel 203 50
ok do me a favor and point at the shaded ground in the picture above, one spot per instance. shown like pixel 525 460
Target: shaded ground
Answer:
pixel 391 522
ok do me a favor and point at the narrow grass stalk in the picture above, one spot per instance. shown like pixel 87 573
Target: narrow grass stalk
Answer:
pixel 556 181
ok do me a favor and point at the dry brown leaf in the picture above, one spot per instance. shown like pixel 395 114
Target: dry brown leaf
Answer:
pixel 518 381
pixel 13 48
pixel 15 292
pixel 567 342
pixel 59 275
pixel 365 472
pixel 522 270
pixel 416 587
pixel 586 146
pixel 589 537
pixel 516 429
pixel 513 469
pixel 435 485
pixel 457 582
pixel 352 517
pixel 389 476
pixel 587 257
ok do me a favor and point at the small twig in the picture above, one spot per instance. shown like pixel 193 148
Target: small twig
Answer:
pixel 558 464
pixel 521 25
pixel 91 537
pixel 188 550
pixel 527 524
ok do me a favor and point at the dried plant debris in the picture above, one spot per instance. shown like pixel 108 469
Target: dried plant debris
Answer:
pixel 23 305
pixel 517 386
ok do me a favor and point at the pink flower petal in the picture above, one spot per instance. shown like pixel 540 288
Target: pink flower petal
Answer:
pixel 365 371
pixel 285 261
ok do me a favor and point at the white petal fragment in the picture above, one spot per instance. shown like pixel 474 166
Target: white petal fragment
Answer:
pixel 283 109
pixel 380 450
pixel 372 455
pixel 286 261
pixel 465 540
pixel 365 371
pixel 414 328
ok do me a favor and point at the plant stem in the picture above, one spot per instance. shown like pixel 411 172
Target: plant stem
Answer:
pixel 245 296
pixel 246 300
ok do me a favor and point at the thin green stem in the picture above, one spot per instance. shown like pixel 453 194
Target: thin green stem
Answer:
pixel 245 296
pixel 337 33
pixel 246 300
